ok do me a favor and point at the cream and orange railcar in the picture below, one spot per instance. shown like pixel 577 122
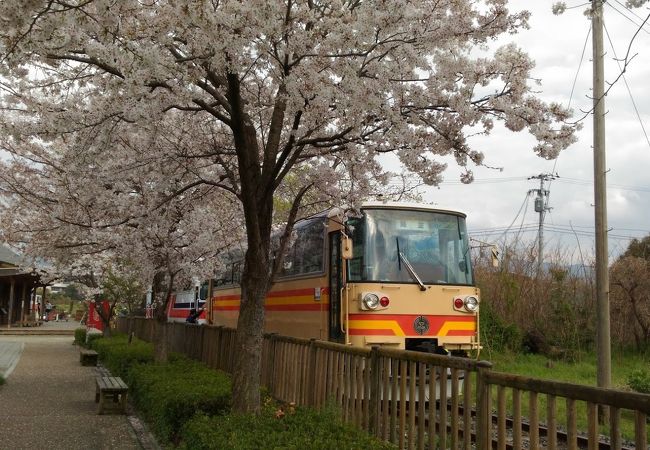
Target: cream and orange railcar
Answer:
pixel 398 275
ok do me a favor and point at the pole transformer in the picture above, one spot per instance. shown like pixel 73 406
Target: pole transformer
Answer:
pixel 541 206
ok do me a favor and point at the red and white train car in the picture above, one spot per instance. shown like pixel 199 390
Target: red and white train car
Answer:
pixel 186 302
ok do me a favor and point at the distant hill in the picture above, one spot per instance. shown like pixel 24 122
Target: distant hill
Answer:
pixel 581 271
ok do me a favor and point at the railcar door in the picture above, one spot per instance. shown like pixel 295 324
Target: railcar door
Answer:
pixel 335 285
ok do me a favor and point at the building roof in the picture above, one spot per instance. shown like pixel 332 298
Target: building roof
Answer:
pixel 8 257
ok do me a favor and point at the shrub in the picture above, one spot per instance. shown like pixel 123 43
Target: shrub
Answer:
pixel 169 395
pixel 300 429
pixel 639 380
pixel 496 334
pixel 119 356
pixel 2 380
pixel 80 336
pixel 91 337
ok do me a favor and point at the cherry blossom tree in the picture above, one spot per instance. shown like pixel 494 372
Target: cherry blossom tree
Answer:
pixel 263 97
pixel 84 219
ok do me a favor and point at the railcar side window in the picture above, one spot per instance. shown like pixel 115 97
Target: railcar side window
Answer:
pixel 230 272
pixel 355 265
pixel 305 254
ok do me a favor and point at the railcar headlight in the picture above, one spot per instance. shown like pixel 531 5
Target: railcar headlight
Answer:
pixel 371 301
pixel 471 303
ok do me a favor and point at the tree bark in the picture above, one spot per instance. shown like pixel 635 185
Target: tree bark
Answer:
pixel 250 328
pixel 160 344
pixel 256 280
pixel 257 182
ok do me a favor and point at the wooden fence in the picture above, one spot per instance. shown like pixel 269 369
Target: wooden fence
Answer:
pixel 379 390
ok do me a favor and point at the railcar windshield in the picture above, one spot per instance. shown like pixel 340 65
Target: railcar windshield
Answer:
pixel 391 245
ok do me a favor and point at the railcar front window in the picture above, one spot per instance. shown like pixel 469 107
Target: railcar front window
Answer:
pixel 435 244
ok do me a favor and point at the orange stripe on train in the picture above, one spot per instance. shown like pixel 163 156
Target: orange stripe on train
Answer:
pixel 288 300
pixel 308 292
pixel 403 325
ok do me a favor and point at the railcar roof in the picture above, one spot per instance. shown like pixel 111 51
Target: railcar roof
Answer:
pixel 334 212
pixel 410 205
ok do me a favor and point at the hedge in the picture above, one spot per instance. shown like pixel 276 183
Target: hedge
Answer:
pixel 80 336
pixel 119 356
pixel 302 428
pixel 92 337
pixel 188 404
pixel 169 395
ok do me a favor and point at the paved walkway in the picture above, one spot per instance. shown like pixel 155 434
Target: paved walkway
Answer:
pixel 48 400
pixel 51 327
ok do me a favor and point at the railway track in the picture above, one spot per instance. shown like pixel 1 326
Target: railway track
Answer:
pixel 562 436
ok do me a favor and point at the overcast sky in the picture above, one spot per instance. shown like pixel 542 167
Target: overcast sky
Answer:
pixel 496 199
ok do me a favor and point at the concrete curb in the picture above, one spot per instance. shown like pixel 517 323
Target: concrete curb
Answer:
pixel 9 356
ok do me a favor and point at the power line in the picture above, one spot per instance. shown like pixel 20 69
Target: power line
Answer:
pixel 486 180
pixel 575 79
pixel 624 187
pixel 566 180
pixel 627 17
pixel 552 230
pixel 570 225
pixel 523 216
pixel 629 10
pixel 573 87
pixel 627 86
pixel 525 202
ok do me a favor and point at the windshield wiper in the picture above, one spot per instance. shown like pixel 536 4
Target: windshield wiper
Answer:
pixel 411 271
pixel 399 260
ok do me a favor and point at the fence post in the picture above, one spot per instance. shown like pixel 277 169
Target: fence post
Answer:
pixel 271 363
pixel 152 329
pixel 202 355
pixel 483 408
pixel 374 401
pixel 220 348
pixel 311 386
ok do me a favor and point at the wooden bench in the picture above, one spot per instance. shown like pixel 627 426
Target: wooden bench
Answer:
pixel 88 357
pixel 114 389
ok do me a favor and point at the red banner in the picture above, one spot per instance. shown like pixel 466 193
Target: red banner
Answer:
pixel 94 320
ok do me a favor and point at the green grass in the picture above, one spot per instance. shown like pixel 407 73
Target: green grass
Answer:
pixel 582 371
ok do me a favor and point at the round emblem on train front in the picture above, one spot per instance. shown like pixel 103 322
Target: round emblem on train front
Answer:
pixel 421 325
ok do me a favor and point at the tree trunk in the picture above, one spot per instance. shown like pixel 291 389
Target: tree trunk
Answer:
pixel 250 329
pixel 160 344
pixel 105 317
pixel 256 280
pixel 160 353
pixel 106 332
pixel 257 179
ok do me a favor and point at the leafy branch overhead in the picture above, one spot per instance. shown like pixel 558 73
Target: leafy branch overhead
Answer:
pixel 313 80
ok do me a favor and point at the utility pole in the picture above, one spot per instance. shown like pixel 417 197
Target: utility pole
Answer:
pixel 603 347
pixel 541 206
